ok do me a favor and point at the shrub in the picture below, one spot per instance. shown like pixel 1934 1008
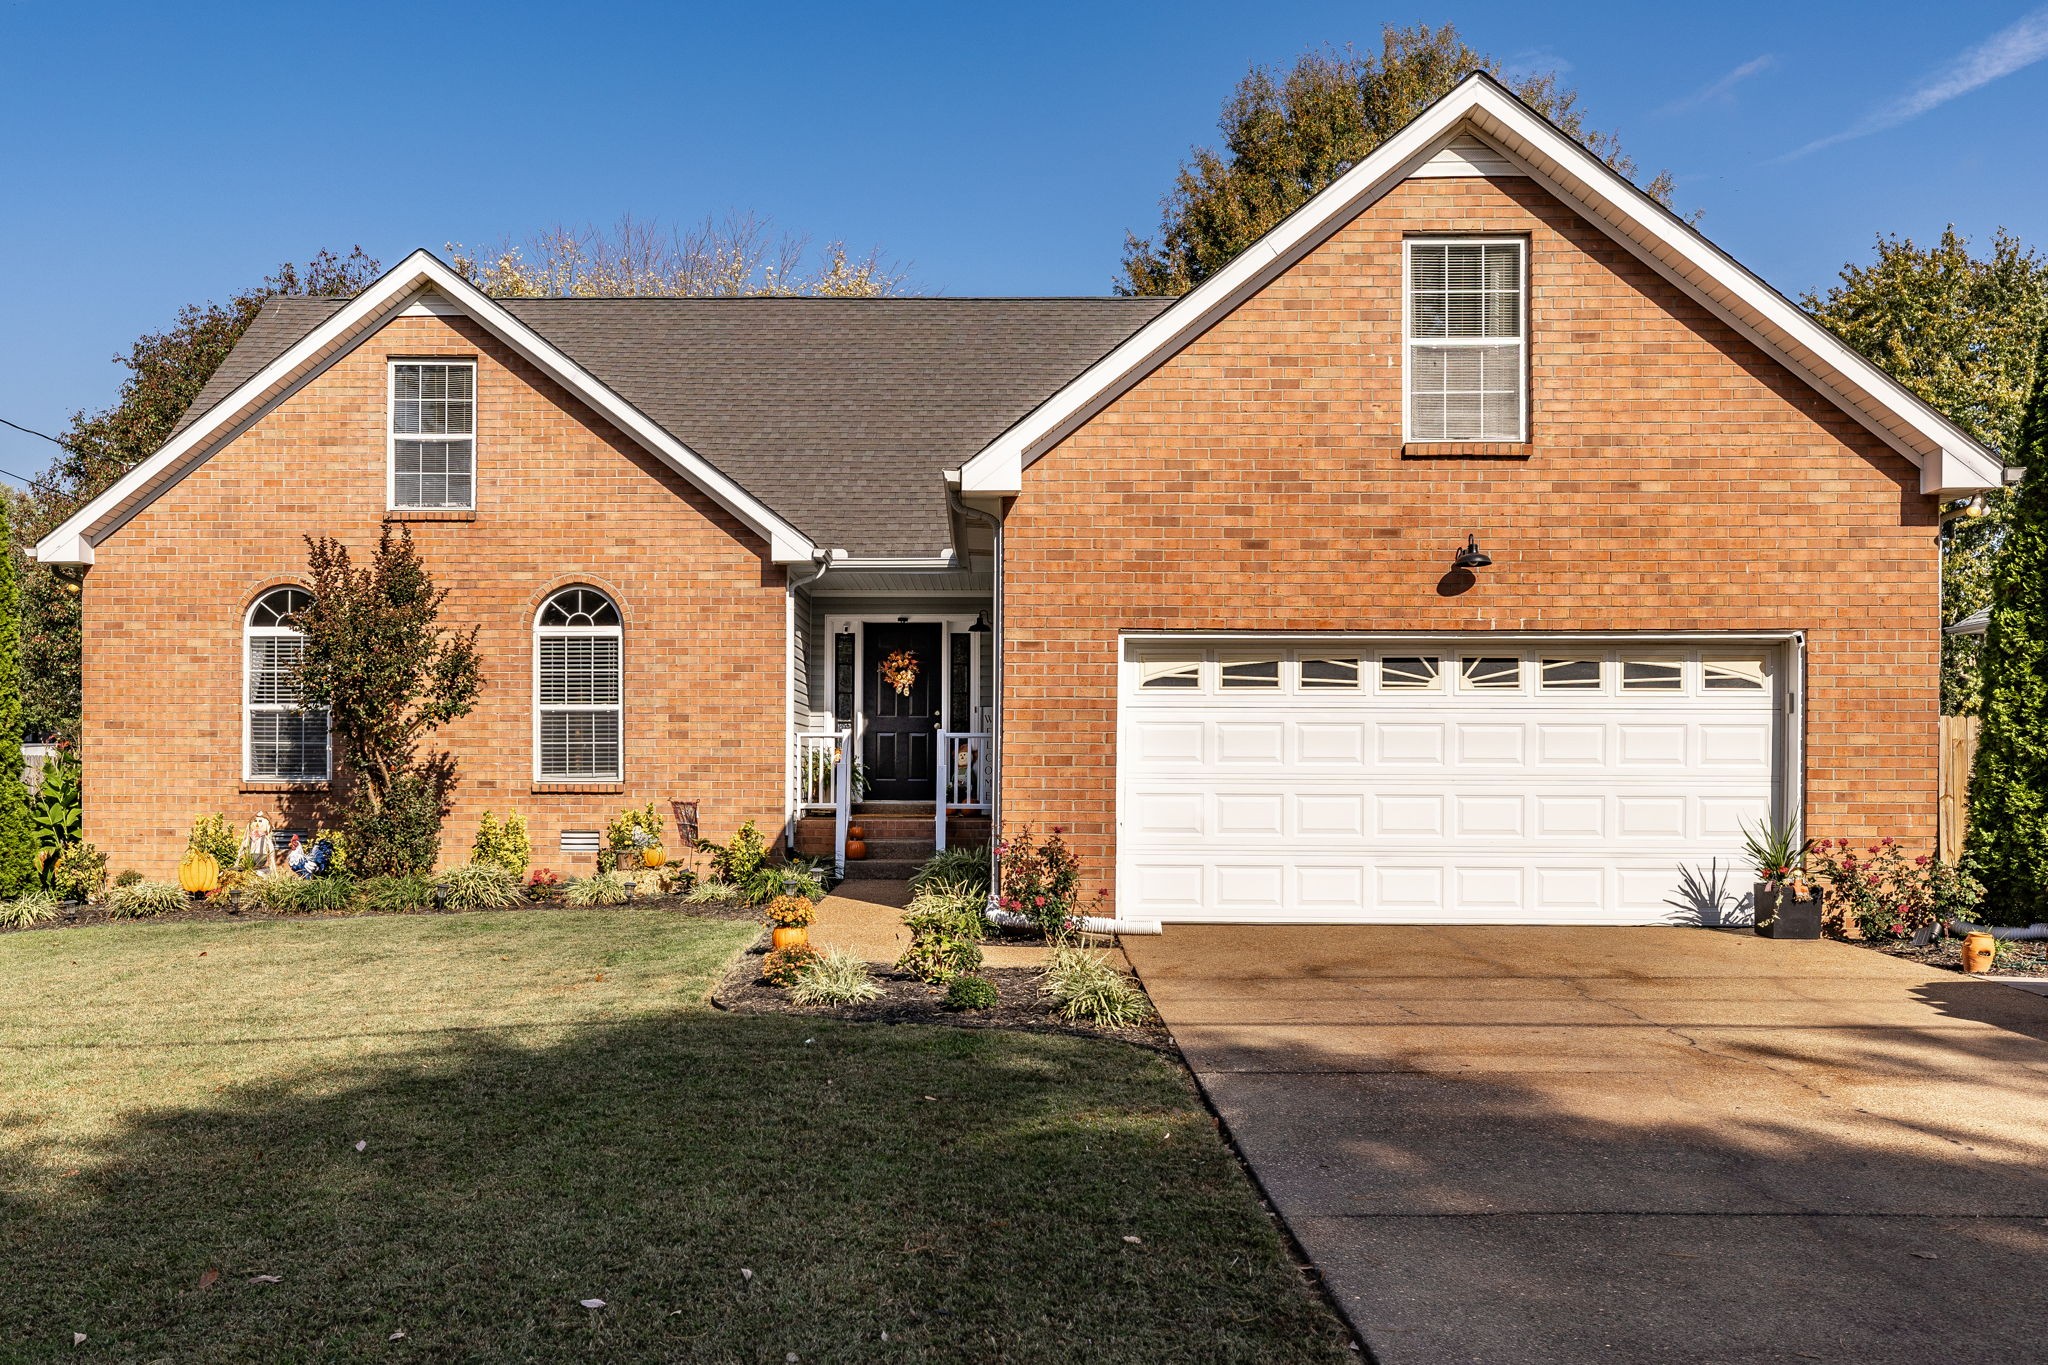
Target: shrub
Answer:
pixel 277 894
pixel 630 831
pixel 80 873
pixel 1038 880
pixel 945 937
pixel 954 867
pixel 1885 894
pixel 56 811
pixel 972 993
pixel 402 836
pixel 479 886
pixel 211 836
pixel 789 912
pixel 738 860
pixel 606 888
pixel 713 892
pixel 337 849
pixel 836 978
pixel 17 836
pixel 675 879
pixel 329 895
pixel 142 900
pixel 543 885
pixel 29 908
pixel 129 876
pixel 797 877
pixel 781 967
pixel 397 895
pixel 1083 986
pixel 503 845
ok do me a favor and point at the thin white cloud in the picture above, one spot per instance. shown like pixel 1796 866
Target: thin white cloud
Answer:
pixel 1535 61
pixel 1722 90
pixel 2013 48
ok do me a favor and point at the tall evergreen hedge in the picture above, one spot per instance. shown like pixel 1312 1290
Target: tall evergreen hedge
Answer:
pixel 17 838
pixel 2008 841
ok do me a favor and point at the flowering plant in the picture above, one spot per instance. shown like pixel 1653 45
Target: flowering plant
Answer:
pixel 1887 895
pixel 899 670
pixel 1775 851
pixel 789 912
pixel 784 965
pixel 543 885
pixel 1037 881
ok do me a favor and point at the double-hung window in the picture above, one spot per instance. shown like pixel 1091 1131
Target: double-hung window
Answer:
pixel 576 645
pixel 1467 329
pixel 433 434
pixel 283 741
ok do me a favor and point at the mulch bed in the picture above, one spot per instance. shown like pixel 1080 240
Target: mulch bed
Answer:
pixel 906 1000
pixel 2022 958
pixel 74 916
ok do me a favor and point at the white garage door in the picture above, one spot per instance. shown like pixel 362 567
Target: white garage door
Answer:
pixel 1476 781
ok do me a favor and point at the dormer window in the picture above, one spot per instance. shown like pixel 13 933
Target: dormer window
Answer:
pixel 1466 340
pixel 433 434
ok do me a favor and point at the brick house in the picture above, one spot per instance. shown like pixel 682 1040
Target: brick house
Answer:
pixel 1483 544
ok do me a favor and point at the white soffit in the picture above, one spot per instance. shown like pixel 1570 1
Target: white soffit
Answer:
pixel 420 284
pixel 1448 139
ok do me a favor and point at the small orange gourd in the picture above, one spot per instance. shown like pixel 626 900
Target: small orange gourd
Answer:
pixel 199 873
pixel 856 832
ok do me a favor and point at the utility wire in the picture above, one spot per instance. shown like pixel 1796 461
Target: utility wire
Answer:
pixel 31 431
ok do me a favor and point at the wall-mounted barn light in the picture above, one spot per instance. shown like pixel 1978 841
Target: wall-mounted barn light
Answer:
pixel 1471 557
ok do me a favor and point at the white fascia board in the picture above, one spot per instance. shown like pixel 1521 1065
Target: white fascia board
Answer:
pixel 71 543
pixel 1949 460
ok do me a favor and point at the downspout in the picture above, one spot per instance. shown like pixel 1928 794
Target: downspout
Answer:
pixel 824 559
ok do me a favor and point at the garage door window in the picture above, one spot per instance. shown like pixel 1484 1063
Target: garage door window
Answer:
pixel 1410 673
pixel 1732 675
pixel 1652 675
pixel 1567 674
pixel 1490 674
pixel 1251 675
pixel 1325 674
pixel 1170 675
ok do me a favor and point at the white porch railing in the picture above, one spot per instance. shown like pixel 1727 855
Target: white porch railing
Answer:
pixel 824 782
pixel 963 777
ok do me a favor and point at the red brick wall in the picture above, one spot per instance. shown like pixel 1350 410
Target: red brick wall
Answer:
pixel 562 498
pixel 1676 479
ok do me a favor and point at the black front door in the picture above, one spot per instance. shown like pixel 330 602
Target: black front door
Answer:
pixel 901 718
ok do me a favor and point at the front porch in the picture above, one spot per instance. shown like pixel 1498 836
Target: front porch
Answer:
pixel 891 719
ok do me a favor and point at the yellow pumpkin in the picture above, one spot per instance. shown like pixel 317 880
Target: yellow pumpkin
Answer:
pixel 654 855
pixel 199 873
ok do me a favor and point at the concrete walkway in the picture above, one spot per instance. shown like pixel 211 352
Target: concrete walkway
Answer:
pixel 866 917
pixel 1526 1145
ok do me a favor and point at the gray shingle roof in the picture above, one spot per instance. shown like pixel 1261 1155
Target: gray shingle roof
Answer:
pixel 841 414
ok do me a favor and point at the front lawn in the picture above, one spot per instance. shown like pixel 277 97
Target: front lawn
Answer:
pixel 549 1114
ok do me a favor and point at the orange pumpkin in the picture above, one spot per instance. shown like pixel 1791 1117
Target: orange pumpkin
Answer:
pixel 789 935
pixel 856 832
pixel 199 873
pixel 856 848
pixel 654 855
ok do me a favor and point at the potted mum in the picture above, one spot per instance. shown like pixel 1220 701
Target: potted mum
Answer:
pixel 1786 906
pixel 791 918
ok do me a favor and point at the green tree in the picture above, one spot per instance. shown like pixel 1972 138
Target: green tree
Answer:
pixel 1287 135
pixel 166 370
pixel 377 658
pixel 1959 330
pixel 2007 849
pixel 17 838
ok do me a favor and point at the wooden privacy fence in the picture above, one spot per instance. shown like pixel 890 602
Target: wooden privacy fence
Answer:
pixel 1958 749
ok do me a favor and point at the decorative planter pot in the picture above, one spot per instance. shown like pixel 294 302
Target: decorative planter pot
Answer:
pixel 789 935
pixel 856 848
pixel 1979 952
pixel 1778 915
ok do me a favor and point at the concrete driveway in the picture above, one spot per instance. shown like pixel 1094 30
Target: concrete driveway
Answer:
pixel 1632 1144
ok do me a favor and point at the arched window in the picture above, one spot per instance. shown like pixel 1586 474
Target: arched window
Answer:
pixel 282 740
pixel 576 728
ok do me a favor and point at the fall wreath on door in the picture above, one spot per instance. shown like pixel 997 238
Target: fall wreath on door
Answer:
pixel 899 670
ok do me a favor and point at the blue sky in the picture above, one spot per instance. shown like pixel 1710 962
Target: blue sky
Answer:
pixel 153 155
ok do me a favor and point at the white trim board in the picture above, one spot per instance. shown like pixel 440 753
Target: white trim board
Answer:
pixel 419 283
pixel 1949 460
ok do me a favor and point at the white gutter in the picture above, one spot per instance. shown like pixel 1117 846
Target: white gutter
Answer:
pixel 1090 924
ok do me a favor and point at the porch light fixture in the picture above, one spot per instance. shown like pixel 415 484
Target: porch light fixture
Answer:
pixel 1471 557
pixel 980 626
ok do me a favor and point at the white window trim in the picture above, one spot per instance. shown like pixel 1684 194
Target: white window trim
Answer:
pixel 1409 341
pixel 391 434
pixel 250 631
pixel 540 632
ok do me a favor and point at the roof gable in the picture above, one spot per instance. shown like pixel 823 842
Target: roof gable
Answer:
pixel 419 280
pixel 1481 111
